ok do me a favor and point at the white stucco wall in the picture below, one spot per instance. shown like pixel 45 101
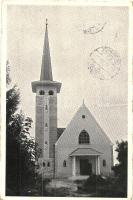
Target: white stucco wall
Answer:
pixel 68 142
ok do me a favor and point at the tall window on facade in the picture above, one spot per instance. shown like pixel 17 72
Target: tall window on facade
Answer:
pixel 64 163
pixel 51 92
pixel 84 138
pixel 48 164
pixel 41 92
pixel 104 163
pixel 46 125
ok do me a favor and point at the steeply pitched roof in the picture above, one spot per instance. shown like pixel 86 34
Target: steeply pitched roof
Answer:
pixel 84 120
pixel 46 69
pixel 59 132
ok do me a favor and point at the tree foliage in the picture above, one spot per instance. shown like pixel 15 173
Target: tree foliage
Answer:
pixel 21 148
pixel 120 169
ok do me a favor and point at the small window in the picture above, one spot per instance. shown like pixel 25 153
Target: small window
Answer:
pixel 46 142
pixel 48 164
pixel 46 107
pixel 51 92
pixel 43 164
pixel 83 116
pixel 64 163
pixel 104 163
pixel 41 92
pixel 46 125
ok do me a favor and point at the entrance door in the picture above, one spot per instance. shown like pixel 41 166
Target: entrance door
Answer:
pixel 85 167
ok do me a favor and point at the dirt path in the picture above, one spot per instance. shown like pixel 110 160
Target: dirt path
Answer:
pixel 64 187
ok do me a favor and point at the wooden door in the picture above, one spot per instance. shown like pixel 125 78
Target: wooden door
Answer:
pixel 85 167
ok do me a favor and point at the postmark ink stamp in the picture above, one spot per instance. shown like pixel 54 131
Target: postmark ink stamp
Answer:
pixel 104 63
pixel 96 28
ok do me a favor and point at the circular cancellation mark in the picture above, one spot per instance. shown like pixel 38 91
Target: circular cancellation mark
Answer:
pixel 104 63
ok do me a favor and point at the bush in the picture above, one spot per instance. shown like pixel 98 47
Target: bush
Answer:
pixel 95 179
pixel 91 184
pixel 41 184
pixel 99 186
pixel 114 189
pixel 38 188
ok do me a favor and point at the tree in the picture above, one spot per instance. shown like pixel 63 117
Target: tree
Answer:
pixel 21 148
pixel 120 169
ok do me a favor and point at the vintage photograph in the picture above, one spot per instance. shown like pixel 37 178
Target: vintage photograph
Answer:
pixel 67 101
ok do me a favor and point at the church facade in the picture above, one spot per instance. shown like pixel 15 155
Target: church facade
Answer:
pixel 80 149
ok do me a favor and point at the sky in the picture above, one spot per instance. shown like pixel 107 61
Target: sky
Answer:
pixel 70 49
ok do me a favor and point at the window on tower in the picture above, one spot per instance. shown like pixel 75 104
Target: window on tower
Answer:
pixel 46 107
pixel 51 92
pixel 48 164
pixel 64 163
pixel 41 92
pixel 84 137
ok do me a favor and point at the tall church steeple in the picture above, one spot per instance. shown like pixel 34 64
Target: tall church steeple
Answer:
pixel 46 77
pixel 46 109
pixel 46 69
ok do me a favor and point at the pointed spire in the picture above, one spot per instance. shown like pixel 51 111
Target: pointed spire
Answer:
pixel 46 69
pixel 83 103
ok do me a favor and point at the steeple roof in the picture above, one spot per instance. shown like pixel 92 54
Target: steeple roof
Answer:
pixel 46 78
pixel 46 69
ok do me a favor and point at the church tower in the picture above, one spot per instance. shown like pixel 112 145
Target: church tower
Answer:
pixel 46 109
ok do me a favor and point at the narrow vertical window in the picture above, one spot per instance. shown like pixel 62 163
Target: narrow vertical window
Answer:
pixel 46 107
pixel 104 163
pixel 48 164
pixel 64 163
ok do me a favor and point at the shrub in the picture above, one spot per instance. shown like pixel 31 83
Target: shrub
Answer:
pixel 91 184
pixel 38 188
pixel 99 186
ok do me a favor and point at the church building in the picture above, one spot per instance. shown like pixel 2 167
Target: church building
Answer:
pixel 80 149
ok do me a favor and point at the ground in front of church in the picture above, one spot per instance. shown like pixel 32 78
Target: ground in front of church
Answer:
pixel 65 187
